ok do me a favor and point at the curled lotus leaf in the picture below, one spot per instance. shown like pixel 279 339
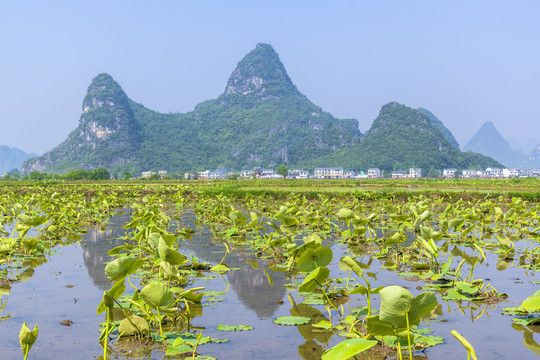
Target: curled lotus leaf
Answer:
pixel 315 278
pixel 27 338
pixel 345 214
pixel 157 295
pixel 133 325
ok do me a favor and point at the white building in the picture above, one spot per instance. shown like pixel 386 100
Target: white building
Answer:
pixel 246 174
pixel 415 173
pixel 204 174
pixel 449 173
pixel 298 174
pixel 349 174
pixel 469 174
pixel 508 173
pixel 399 174
pixel 328 173
pixel 374 173
pixel 147 174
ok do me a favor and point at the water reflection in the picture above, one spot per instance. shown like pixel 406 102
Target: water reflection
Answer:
pixel 96 245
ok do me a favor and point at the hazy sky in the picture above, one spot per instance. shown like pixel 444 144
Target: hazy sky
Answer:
pixel 466 61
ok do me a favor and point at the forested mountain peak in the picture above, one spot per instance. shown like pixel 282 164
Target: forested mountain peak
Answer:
pixel 260 73
pixel 440 126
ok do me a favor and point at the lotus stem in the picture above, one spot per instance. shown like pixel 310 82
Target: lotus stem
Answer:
pixel 106 337
pixel 408 336
pixel 197 345
pixel 26 352
pixel 129 281
pixel 160 328
pixel 466 344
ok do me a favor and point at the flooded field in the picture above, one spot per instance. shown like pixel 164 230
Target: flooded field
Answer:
pixel 302 276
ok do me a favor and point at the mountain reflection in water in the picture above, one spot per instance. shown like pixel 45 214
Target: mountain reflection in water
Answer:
pixel 250 284
pixel 97 243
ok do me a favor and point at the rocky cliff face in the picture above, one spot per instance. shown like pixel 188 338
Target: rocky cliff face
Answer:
pixel 107 135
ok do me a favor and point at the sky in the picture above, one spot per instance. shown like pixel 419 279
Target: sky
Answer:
pixel 466 61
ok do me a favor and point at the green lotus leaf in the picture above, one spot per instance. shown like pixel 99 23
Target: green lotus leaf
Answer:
pixel 345 214
pixel 348 263
pixel 531 304
pixel 115 292
pixel 292 320
pixel 375 326
pixel 122 267
pixel 169 255
pixel 234 327
pixel 220 268
pixel 316 278
pixel 348 349
pixel 157 295
pixel 422 305
pixel 27 338
pixel 395 304
pixel 133 325
pixel 311 259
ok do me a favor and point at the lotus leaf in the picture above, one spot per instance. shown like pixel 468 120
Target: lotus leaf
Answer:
pixel 133 325
pixel 316 278
pixel 114 293
pixel 27 338
pixel 311 259
pixel 122 267
pixel 157 295
pixel 292 320
pixel 169 255
pixel 345 214
pixel 348 349
pixel 234 327
pixel 348 263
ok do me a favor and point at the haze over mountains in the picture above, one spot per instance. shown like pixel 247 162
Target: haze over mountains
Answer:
pixel 261 119
pixel 12 158
pixel 488 141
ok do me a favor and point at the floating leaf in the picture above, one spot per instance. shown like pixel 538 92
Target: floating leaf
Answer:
pixel 292 320
pixel 234 327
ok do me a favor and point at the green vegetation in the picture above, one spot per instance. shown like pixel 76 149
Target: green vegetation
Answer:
pixel 261 120
pixel 342 252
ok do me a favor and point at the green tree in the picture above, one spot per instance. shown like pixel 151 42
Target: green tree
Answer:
pixel 127 175
pixel 282 170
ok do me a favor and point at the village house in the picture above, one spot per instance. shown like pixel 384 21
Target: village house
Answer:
pixel 298 174
pixel 399 174
pixel 328 173
pixel 415 173
pixel 468 174
pixel 449 173
pixel 374 173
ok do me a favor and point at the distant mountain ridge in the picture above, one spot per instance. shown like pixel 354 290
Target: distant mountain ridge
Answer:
pixel 400 138
pixel 260 120
pixel 12 158
pixel 488 141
